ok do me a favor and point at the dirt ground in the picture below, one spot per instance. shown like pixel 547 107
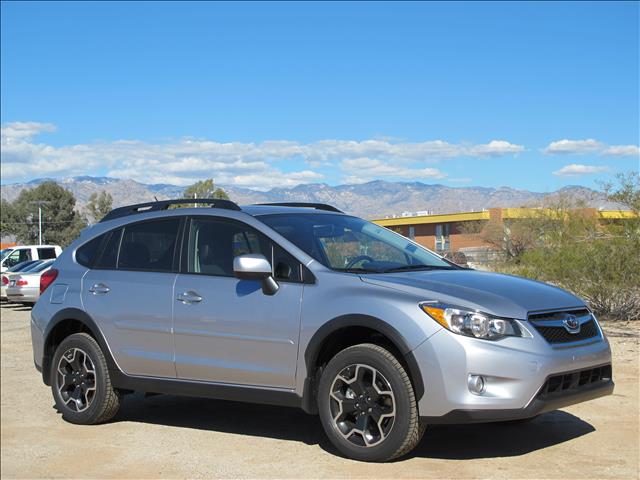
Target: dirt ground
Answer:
pixel 172 437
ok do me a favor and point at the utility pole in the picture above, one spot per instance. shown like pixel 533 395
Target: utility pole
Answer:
pixel 40 203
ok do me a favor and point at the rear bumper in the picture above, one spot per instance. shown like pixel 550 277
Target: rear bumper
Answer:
pixel 23 295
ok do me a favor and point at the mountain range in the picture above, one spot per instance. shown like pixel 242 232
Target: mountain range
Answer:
pixel 376 199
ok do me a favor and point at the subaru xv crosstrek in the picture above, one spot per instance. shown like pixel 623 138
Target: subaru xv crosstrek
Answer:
pixel 302 305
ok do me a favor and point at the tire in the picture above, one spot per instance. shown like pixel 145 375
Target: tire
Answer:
pixel 84 394
pixel 389 411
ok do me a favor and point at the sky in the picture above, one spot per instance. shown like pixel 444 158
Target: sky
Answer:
pixel 527 95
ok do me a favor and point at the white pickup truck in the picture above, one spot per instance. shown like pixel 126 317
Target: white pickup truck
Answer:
pixel 22 253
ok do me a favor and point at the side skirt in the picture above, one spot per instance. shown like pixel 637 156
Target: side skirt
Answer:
pixel 218 391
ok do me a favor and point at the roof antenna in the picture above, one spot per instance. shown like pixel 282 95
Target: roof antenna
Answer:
pixel 155 198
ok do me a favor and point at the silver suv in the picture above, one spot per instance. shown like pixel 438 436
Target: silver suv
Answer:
pixel 304 306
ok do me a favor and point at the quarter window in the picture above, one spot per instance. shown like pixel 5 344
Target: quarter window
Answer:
pixel 285 266
pixel 85 255
pixel 109 256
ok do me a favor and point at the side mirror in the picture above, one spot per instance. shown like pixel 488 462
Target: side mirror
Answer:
pixel 254 266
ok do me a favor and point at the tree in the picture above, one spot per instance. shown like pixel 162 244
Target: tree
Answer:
pixel 205 189
pixel 6 216
pixel 61 224
pixel 626 191
pixel 99 205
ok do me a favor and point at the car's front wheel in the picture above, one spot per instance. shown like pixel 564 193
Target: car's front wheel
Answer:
pixel 367 405
pixel 80 382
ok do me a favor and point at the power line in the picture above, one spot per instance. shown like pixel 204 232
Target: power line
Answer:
pixel 36 223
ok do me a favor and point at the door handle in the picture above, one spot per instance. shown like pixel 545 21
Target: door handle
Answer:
pixel 189 297
pixel 99 289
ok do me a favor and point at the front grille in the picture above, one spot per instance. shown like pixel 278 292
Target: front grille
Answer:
pixel 561 335
pixel 559 315
pixel 575 381
pixel 549 325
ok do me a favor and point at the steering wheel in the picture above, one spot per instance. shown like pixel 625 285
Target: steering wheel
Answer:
pixel 359 258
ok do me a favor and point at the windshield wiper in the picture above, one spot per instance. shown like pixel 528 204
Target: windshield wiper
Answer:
pixel 357 270
pixel 417 267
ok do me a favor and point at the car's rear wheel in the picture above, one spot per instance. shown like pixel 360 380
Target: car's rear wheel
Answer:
pixel 367 405
pixel 80 382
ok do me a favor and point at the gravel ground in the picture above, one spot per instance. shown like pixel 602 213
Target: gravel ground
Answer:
pixel 173 437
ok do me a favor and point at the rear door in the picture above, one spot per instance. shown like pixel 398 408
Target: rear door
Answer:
pixel 226 329
pixel 129 293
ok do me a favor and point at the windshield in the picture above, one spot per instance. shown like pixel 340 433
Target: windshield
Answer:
pixel 352 244
pixel 4 252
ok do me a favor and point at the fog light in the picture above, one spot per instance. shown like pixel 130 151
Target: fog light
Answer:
pixel 476 384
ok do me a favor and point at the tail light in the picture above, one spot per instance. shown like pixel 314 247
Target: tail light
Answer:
pixel 21 283
pixel 47 279
pixel 5 280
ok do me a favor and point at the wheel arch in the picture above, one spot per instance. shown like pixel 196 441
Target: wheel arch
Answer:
pixel 67 322
pixel 347 330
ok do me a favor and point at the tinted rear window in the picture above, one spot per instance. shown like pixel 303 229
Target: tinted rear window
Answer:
pixel 107 259
pixel 86 254
pixel 149 245
pixel 46 253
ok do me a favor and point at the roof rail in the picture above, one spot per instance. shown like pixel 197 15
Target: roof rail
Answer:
pixel 317 206
pixel 165 204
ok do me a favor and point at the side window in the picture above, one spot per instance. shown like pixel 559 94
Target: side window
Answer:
pixel 245 242
pixel 46 253
pixel 285 266
pixel 214 243
pixel 18 256
pixel 86 254
pixel 149 246
pixel 109 256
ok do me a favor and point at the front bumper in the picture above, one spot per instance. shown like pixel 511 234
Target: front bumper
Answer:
pixel 515 371
pixel 537 406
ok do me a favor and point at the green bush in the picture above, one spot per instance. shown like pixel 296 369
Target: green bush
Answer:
pixel 600 262
pixel 605 272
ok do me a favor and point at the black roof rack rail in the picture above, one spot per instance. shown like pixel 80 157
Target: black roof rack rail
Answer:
pixel 317 206
pixel 165 204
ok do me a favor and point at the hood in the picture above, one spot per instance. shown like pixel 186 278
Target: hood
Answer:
pixel 494 293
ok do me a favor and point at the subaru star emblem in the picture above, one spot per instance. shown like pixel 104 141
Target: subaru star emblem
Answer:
pixel 571 324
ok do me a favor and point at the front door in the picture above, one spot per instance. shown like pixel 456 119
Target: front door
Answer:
pixel 225 329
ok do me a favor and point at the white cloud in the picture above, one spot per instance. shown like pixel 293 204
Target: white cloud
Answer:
pixel 360 170
pixel 589 146
pixel 496 148
pixel 24 130
pixel 575 170
pixel 255 165
pixel 622 150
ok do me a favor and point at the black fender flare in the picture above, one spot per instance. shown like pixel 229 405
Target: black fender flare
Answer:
pixel 358 320
pixel 79 316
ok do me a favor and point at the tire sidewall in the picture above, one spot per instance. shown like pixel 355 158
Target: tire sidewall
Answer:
pixel 91 348
pixel 404 403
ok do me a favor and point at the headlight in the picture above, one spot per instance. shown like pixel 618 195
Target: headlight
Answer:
pixel 470 323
